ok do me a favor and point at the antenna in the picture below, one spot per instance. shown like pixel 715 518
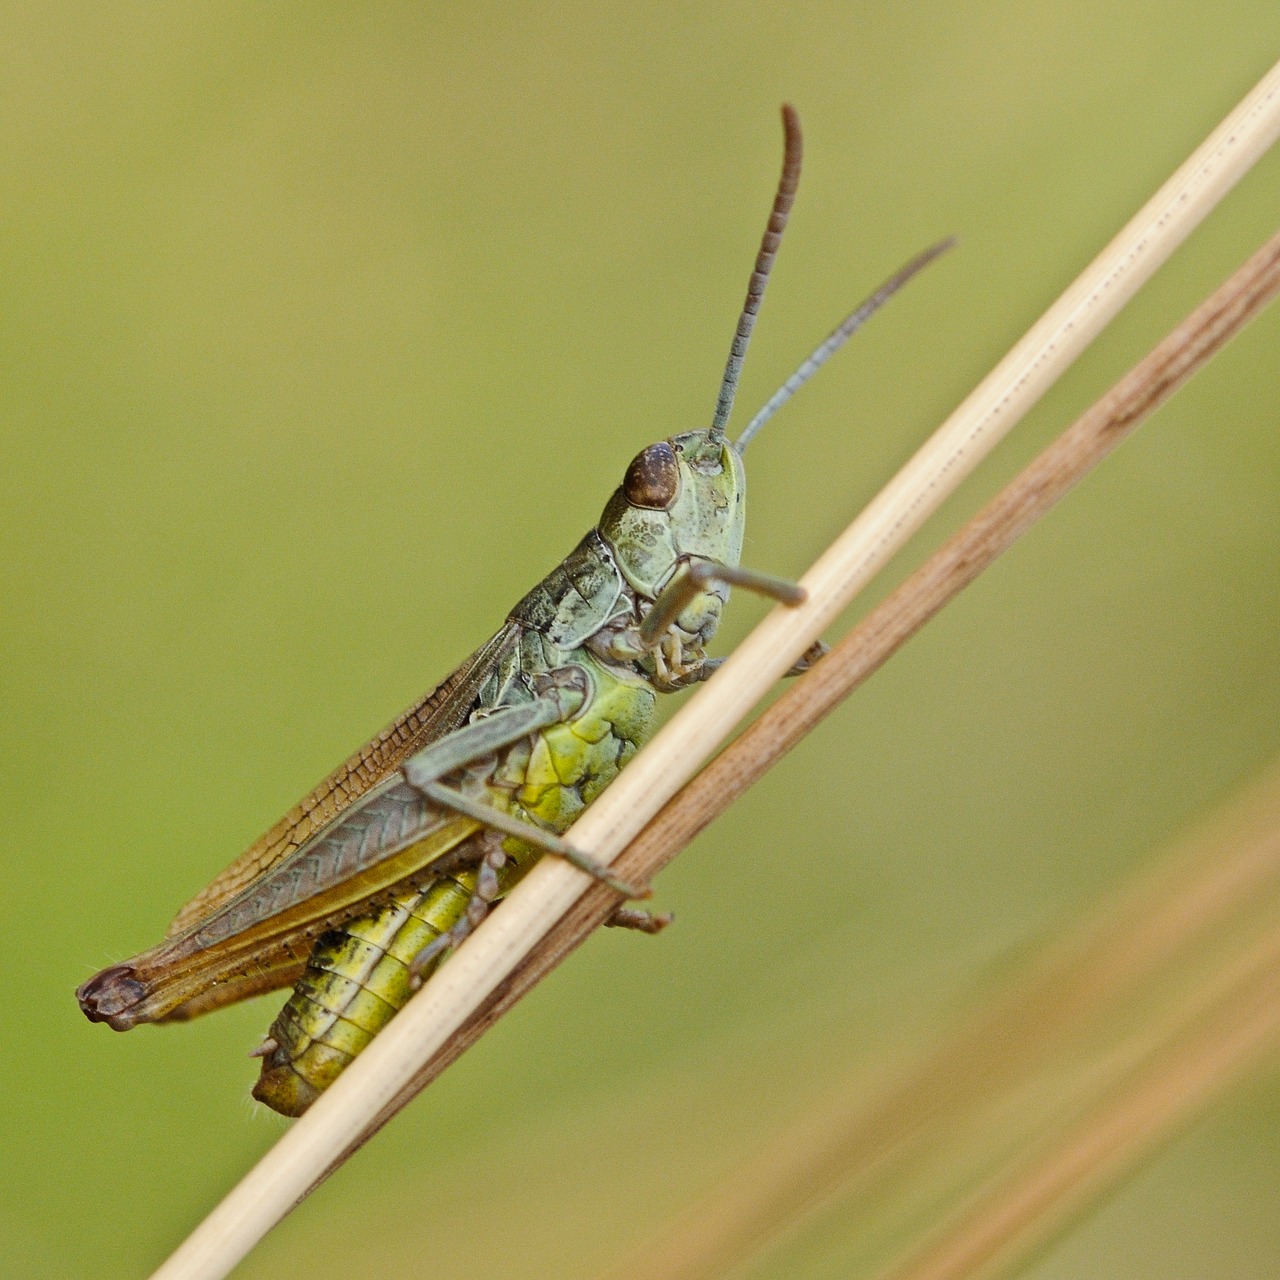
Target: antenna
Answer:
pixel 839 336
pixel 793 151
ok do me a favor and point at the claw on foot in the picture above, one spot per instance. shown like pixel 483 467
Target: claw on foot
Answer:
pixel 640 920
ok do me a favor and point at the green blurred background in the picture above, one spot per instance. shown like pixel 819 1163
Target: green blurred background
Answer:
pixel 327 330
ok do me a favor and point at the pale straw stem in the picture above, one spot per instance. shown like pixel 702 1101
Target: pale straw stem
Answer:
pixel 892 623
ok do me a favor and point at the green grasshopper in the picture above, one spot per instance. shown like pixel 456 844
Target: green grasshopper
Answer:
pixel 356 894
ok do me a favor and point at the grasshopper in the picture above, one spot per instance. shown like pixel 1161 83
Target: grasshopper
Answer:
pixel 357 893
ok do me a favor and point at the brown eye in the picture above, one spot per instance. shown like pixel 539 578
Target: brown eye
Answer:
pixel 653 478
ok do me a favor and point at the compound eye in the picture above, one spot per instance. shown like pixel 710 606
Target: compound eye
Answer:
pixel 653 478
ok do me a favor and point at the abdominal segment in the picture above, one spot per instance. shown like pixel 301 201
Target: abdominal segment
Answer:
pixel 356 981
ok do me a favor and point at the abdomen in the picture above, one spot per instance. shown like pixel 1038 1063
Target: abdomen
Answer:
pixel 357 978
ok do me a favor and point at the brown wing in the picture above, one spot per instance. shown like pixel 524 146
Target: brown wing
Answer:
pixel 431 717
pixel 256 940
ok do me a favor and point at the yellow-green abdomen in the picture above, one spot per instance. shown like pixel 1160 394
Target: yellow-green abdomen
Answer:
pixel 357 978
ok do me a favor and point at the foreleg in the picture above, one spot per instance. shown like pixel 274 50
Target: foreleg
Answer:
pixel 694 578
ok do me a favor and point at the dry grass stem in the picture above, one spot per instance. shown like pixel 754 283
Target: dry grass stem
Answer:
pixel 375 1082
pixel 869 645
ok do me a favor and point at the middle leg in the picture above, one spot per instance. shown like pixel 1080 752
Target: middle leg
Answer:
pixel 493 859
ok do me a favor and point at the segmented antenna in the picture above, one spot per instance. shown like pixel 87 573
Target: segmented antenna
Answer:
pixel 839 336
pixel 793 151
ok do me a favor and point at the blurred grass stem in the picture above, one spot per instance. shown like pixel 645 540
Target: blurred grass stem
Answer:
pixel 1224 1027
pixel 1112 1038
pixel 384 1074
